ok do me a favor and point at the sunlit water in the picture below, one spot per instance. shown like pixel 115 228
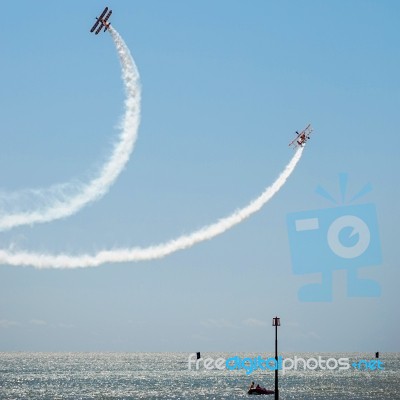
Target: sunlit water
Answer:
pixel 166 376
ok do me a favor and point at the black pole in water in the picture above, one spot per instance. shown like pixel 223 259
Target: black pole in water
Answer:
pixel 276 322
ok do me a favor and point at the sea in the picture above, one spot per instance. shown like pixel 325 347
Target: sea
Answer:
pixel 167 376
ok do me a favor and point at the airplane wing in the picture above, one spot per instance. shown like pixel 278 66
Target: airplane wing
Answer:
pixel 95 25
pixel 99 19
pixel 103 13
pixel 308 129
pixel 294 142
pixel 99 28
pixel 105 20
pixel 108 16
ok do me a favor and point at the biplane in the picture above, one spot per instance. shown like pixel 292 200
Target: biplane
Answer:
pixel 102 22
pixel 301 139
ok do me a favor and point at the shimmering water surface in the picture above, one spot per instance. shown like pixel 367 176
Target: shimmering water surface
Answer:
pixel 166 376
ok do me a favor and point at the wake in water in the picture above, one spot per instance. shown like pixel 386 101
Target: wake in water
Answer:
pixel 63 200
pixel 43 260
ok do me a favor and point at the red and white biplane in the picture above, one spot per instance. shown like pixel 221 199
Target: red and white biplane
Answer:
pixel 102 20
pixel 301 139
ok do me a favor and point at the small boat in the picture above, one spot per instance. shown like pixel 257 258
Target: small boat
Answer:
pixel 260 390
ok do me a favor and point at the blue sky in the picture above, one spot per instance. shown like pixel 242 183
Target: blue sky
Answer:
pixel 225 84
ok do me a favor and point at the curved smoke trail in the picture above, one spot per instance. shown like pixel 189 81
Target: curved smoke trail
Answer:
pixel 156 251
pixel 63 200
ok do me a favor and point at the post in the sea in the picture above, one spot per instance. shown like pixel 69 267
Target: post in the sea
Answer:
pixel 276 322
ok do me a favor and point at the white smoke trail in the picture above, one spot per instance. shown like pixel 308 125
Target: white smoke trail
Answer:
pixel 155 251
pixel 63 200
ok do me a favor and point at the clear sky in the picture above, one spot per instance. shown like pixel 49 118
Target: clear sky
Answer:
pixel 225 85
